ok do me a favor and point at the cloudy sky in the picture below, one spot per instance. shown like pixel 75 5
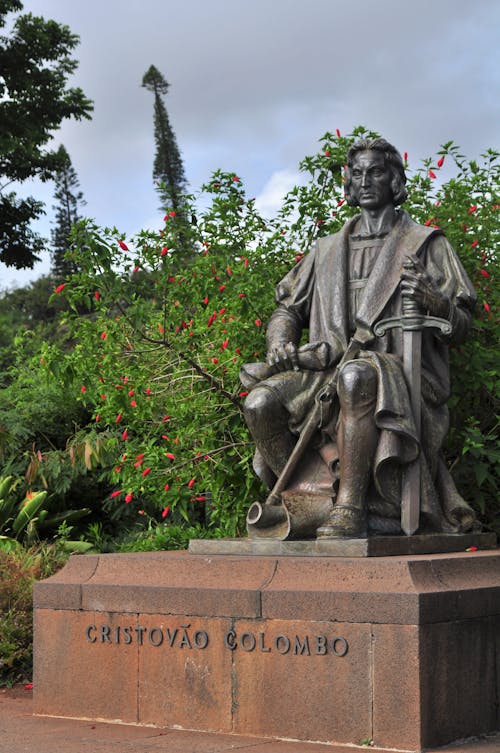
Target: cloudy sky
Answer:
pixel 255 83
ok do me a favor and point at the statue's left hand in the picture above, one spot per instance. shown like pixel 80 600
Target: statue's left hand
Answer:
pixel 417 284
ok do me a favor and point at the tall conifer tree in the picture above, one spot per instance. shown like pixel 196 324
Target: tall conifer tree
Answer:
pixel 168 169
pixel 69 199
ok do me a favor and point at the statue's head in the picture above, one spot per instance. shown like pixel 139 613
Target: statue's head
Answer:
pixel 393 163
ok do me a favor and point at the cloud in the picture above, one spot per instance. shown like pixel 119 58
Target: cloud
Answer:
pixel 270 198
pixel 255 85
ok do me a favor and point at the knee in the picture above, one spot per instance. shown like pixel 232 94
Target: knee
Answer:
pixel 259 404
pixel 357 384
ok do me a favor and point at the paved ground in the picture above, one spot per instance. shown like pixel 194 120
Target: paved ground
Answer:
pixel 21 732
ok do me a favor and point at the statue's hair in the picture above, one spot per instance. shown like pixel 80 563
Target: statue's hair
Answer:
pixel 393 161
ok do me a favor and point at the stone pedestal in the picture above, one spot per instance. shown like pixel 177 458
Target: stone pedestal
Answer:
pixel 402 650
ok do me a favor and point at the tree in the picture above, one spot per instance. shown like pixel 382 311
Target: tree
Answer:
pixel 35 63
pixel 69 198
pixel 168 169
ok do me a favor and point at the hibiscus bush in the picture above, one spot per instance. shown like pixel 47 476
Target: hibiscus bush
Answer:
pixel 161 323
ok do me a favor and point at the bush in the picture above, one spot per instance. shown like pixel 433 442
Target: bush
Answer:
pixel 19 568
pixel 159 336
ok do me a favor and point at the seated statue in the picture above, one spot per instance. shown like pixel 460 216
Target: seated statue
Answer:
pixel 368 435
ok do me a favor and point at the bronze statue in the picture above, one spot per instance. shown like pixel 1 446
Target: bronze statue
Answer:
pixel 349 427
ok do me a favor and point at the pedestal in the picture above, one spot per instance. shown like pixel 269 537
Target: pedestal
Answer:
pixel 401 650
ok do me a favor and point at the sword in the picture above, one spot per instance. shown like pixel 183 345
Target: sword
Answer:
pixel 412 322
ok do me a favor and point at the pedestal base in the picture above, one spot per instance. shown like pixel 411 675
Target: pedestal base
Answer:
pixel 401 650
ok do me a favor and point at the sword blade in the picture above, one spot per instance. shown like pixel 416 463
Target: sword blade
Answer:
pixel 410 493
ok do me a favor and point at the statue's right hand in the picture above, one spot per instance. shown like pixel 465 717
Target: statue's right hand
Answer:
pixel 284 357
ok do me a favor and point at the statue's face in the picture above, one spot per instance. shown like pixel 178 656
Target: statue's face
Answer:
pixel 371 180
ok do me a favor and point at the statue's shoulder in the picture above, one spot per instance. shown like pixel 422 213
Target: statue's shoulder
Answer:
pixel 417 231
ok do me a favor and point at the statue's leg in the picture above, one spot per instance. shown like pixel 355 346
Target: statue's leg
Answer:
pixel 267 421
pixel 357 441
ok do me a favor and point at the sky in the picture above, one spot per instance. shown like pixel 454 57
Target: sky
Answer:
pixel 254 85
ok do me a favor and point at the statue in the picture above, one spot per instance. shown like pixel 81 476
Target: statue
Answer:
pixel 349 426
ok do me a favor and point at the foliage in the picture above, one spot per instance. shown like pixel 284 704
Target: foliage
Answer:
pixel 19 568
pixel 153 345
pixel 31 517
pixel 69 199
pixel 168 170
pixel 35 64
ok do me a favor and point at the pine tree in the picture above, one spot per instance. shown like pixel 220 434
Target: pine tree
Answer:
pixel 69 198
pixel 168 169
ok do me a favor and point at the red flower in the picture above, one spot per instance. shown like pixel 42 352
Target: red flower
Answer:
pixel 222 287
pixel 201 498
pixel 170 455
pixel 60 288
pixel 205 300
pixel 474 243
pixel 123 246
pixel 472 209
pixel 140 456
pixel 258 322
pixel 337 132
pixel 103 335
pixel 135 269
pixel 148 390
pixel 340 202
pixel 129 497
pixel 487 307
pixel 432 174
pixel 244 393
pixel 172 214
pixel 28 686
pixel 215 359
pixel 116 493
pixel 405 156
pixel 103 396
pixel 224 345
pixel 245 262
pixel 166 487
pixel 83 389
pixel 164 251
pixel 484 273
pixel 97 418
pixel 125 435
pixel 242 295
pixel 138 463
pixel 165 512
pixel 326 153
pixel 236 179
pixel 133 404
pixel 146 471
pixel 166 418
pixel 97 295
pixel 118 418
pixel 440 162
pixel 165 436
pixel 191 483
pixel 131 393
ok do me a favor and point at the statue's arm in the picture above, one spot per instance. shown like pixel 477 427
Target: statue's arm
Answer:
pixel 441 287
pixel 282 337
